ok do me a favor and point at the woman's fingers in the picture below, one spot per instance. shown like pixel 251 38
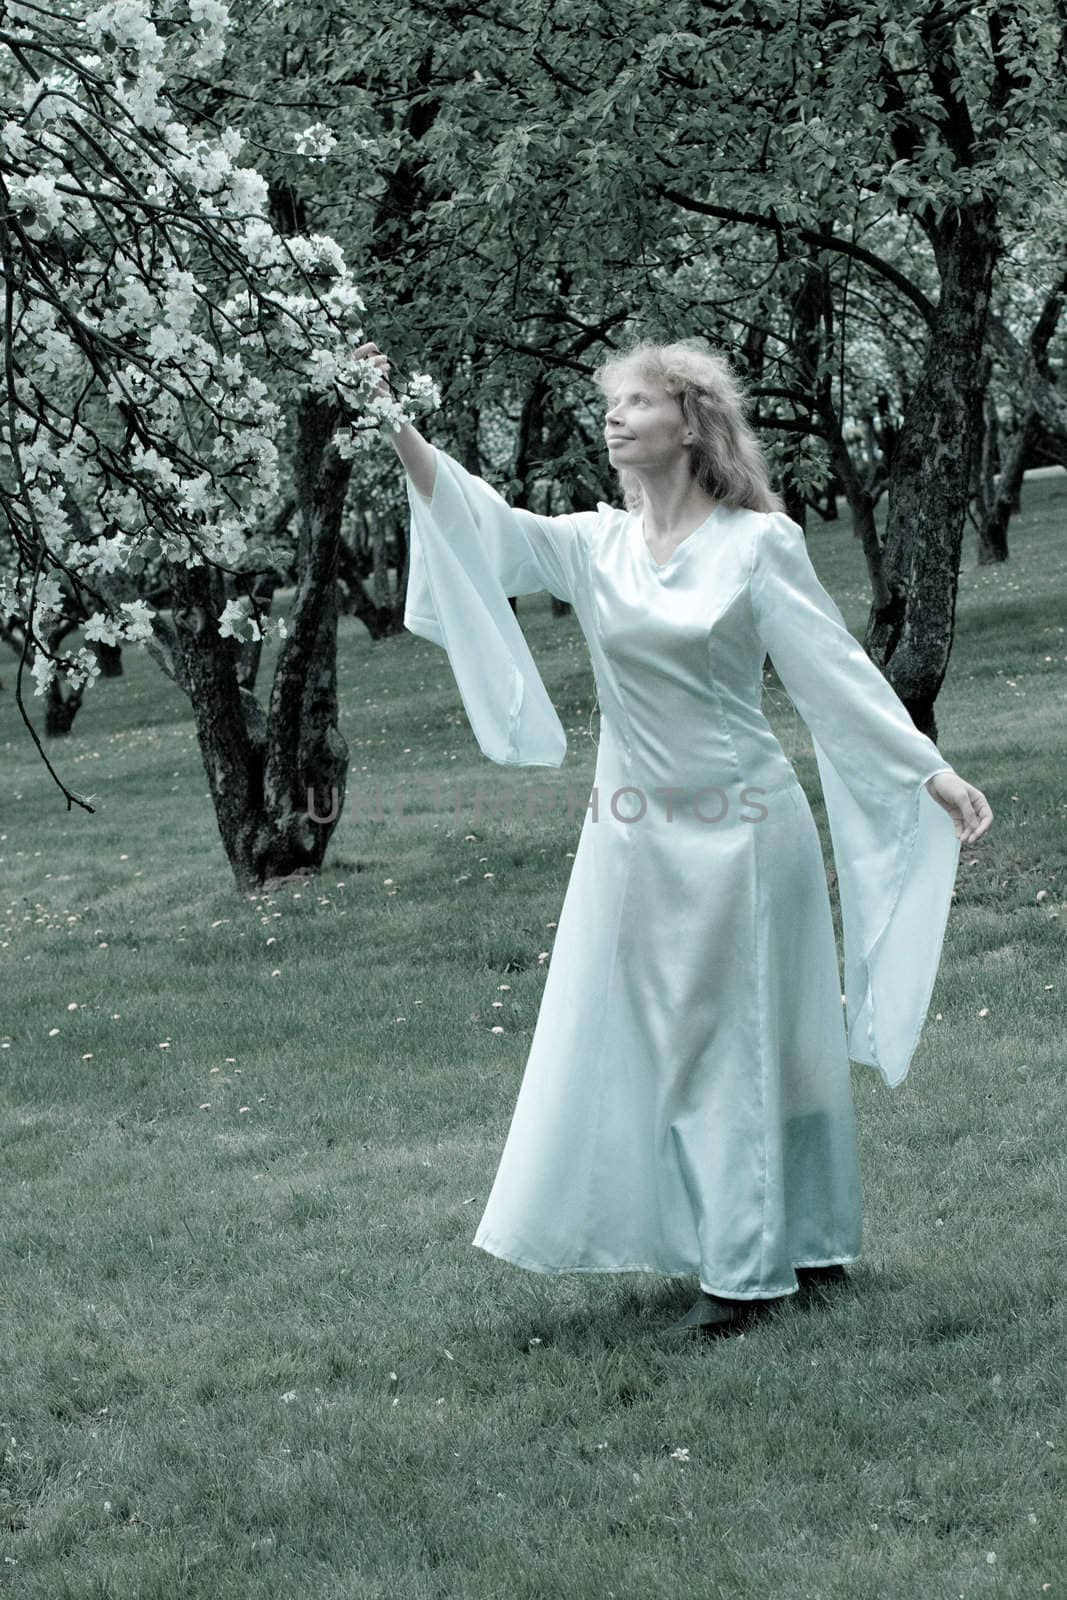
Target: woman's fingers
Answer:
pixel 968 816
pixel 977 815
pixel 370 352
pixel 971 813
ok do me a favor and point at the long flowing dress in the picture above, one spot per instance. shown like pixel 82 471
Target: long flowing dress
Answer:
pixel 686 1106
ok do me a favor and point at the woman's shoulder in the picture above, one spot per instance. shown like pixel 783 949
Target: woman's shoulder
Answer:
pixel 606 514
pixel 592 525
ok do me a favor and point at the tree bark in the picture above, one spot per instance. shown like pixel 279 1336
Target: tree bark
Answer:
pixel 1037 377
pixel 380 621
pixel 230 743
pixel 110 659
pixel 306 757
pixel 860 501
pixel 987 460
pixel 277 780
pixel 910 636
pixel 379 559
pixel 529 454
pixel 260 585
pixel 993 527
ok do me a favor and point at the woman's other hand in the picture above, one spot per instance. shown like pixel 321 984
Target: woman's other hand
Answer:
pixel 971 813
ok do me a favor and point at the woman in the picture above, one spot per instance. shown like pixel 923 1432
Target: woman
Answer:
pixel 686 1106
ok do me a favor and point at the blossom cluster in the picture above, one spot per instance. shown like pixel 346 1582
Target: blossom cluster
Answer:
pixel 161 320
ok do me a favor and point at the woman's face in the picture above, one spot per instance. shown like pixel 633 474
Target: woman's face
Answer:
pixel 644 426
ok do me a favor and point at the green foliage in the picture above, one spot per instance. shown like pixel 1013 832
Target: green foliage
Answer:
pixel 526 187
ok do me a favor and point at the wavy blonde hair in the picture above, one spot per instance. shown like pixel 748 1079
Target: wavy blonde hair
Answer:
pixel 726 456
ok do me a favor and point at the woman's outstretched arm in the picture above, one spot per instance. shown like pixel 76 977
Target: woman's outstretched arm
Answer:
pixel 520 551
pixel 418 458
pixel 416 454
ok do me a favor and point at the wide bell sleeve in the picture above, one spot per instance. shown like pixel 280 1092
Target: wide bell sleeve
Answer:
pixel 895 848
pixel 469 551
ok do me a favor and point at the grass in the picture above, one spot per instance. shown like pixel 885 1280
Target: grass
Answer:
pixel 248 1350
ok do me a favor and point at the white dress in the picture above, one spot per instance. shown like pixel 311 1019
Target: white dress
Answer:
pixel 686 1106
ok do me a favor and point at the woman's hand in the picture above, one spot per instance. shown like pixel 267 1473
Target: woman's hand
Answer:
pixel 370 352
pixel 415 452
pixel 968 807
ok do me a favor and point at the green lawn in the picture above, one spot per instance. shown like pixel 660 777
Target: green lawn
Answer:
pixel 247 1349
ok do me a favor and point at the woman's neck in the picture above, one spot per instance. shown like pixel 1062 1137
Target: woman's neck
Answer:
pixel 673 503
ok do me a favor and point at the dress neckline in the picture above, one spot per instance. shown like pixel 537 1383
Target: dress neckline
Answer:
pixel 661 566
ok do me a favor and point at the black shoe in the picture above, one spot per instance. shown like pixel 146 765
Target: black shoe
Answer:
pixel 818 1277
pixel 712 1315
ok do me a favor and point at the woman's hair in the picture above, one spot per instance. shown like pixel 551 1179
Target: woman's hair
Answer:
pixel 726 457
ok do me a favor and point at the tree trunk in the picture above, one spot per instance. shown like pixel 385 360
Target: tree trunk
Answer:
pixel 60 709
pixel 466 423
pixel 1050 402
pixel 61 703
pixel 993 532
pixel 277 780
pixel 260 586
pixel 806 311
pixel 859 497
pixel 529 454
pixel 910 636
pixel 110 659
pixel 379 560
pixel 230 745
pixel 987 460
pixel 993 528
pixel 529 446
pixel 379 621
pixel 403 566
pixel 306 762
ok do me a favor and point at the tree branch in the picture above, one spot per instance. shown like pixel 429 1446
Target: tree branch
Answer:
pixel 823 241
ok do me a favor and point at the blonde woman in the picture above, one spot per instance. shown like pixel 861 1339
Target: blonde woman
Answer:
pixel 686 1107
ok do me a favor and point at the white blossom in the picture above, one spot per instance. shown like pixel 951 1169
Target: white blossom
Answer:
pixel 123 23
pixel 237 623
pixel 102 628
pixel 56 352
pixel 49 600
pixel 109 555
pixel 196 495
pixel 39 202
pixel 84 669
pixel 232 140
pixel 208 321
pixel 18 146
pixel 153 464
pixel 316 141
pixel 164 344
pixel 248 191
pixel 139 623
pixel 43 670
pixel 422 389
